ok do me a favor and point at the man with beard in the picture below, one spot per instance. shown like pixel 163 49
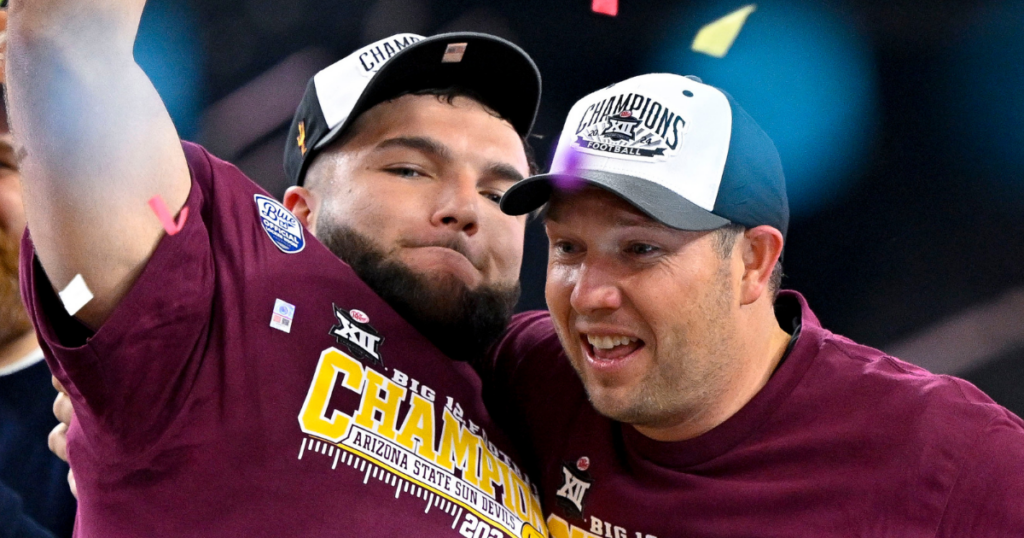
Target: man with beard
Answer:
pixel 34 496
pixel 236 377
pixel 691 398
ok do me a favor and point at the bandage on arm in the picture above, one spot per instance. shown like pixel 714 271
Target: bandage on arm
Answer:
pixel 97 144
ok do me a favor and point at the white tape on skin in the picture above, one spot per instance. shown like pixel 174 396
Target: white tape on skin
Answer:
pixel 76 295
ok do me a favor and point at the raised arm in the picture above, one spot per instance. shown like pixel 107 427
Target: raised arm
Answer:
pixel 97 144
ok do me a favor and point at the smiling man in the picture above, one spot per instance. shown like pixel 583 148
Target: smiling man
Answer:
pixel 237 377
pixel 692 399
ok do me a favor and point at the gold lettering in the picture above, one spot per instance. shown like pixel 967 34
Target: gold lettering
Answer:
pixel 560 528
pixel 459 448
pixel 489 472
pixel 311 417
pixel 372 401
pixel 419 424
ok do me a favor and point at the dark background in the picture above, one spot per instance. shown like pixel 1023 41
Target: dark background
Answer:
pixel 899 123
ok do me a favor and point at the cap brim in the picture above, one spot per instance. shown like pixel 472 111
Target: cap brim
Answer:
pixel 654 200
pixel 498 71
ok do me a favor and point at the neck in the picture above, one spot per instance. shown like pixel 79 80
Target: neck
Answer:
pixel 757 359
pixel 17 349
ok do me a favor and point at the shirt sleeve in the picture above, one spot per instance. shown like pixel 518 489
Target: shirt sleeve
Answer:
pixel 13 521
pixel 130 378
pixel 987 499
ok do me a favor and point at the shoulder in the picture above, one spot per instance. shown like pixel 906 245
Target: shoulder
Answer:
pixel 920 406
pixel 531 329
pixel 210 172
pixel 529 334
pixel 881 372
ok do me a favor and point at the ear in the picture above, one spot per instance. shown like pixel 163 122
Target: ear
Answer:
pixel 304 204
pixel 761 248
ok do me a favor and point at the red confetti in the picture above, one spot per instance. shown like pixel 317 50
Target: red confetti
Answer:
pixel 606 7
pixel 158 206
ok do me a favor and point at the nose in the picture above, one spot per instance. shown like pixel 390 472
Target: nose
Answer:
pixel 595 290
pixel 458 205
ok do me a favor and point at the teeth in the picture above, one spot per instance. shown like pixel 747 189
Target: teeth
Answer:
pixel 608 342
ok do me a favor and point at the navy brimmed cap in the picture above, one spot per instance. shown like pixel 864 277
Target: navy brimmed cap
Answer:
pixel 681 151
pixel 497 71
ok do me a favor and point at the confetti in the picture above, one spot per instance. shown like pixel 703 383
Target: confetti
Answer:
pixel 605 7
pixel 717 37
pixel 76 295
pixel 162 213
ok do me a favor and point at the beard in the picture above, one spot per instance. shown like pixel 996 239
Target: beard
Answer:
pixel 14 321
pixel 461 322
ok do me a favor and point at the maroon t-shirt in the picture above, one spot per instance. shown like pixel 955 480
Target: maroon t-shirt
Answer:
pixel 251 385
pixel 842 441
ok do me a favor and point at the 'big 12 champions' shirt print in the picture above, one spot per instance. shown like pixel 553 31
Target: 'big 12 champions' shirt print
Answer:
pixel 450 464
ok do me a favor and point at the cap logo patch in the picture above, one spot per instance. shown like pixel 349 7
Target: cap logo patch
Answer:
pixel 283 228
pixel 301 140
pixel 454 53
pixel 630 126
pixel 371 59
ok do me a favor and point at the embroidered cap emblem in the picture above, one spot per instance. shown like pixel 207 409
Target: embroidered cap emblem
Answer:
pixel 630 126
pixel 301 140
pixel 454 53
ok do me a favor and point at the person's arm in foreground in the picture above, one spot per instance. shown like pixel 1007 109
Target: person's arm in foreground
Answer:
pixel 97 144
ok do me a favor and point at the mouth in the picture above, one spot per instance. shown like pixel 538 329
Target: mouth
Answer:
pixel 435 261
pixel 454 246
pixel 606 350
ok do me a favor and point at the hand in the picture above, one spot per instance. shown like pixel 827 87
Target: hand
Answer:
pixel 58 440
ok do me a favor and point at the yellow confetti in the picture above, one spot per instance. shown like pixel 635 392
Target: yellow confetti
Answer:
pixel 717 37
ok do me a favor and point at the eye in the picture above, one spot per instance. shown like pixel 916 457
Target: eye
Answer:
pixel 492 196
pixel 641 249
pixel 404 171
pixel 565 248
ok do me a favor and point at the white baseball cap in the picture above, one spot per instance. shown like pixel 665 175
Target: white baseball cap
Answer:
pixel 681 151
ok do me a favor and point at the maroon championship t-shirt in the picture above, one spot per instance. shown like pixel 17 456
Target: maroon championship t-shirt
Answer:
pixel 843 441
pixel 250 385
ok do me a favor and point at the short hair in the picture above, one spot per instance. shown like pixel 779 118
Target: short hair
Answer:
pixel 725 240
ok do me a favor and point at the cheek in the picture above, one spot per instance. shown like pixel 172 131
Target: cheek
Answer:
pixel 505 238
pixel 367 212
pixel 558 289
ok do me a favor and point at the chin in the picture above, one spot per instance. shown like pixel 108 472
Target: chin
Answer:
pixel 614 403
pixel 445 271
pixel 614 409
pixel 445 282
